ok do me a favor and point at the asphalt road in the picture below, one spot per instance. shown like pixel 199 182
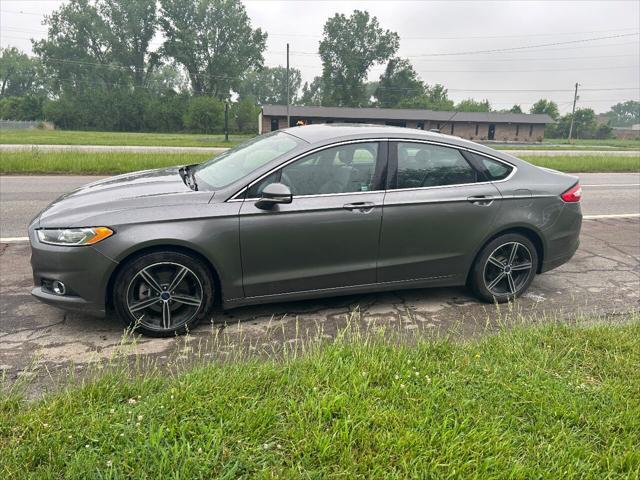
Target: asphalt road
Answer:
pixel 22 197
pixel 39 341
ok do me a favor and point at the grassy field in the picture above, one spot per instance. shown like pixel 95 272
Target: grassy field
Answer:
pixel 539 402
pixel 68 137
pixel 587 163
pixel 563 144
pixel 37 162
pixel 81 163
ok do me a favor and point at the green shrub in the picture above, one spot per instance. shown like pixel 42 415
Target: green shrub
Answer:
pixel 204 115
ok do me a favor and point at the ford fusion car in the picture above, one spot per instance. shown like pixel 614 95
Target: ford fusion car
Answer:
pixel 305 212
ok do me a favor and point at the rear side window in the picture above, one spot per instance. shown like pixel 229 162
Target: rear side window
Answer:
pixel 493 169
pixel 423 165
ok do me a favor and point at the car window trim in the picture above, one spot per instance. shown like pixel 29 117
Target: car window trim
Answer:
pixel 380 172
pixel 393 165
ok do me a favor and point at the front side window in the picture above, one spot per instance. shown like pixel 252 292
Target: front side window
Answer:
pixel 240 161
pixel 343 169
pixel 423 165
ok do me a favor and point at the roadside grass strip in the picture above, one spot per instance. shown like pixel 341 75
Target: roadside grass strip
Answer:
pixel 586 144
pixel 71 137
pixel 36 161
pixel 586 163
pixel 81 163
pixel 545 401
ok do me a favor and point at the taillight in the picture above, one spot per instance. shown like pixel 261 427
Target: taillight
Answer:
pixel 574 194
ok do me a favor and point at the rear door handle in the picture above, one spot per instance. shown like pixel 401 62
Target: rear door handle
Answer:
pixel 482 200
pixel 364 207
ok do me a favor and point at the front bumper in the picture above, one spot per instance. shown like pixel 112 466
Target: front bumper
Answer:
pixel 84 271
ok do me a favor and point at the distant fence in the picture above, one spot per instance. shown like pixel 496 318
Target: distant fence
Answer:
pixel 25 125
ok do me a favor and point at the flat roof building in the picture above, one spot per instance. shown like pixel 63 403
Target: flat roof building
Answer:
pixel 478 126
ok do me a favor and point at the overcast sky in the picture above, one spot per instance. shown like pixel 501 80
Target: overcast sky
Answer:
pixel 608 70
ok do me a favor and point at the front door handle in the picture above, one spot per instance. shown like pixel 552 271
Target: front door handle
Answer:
pixel 363 207
pixel 482 200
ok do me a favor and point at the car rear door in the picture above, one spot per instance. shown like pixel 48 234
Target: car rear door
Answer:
pixel 437 211
pixel 328 236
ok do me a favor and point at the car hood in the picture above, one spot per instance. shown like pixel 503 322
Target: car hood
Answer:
pixel 145 189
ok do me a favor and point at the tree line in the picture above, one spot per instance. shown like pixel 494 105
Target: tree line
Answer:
pixel 170 65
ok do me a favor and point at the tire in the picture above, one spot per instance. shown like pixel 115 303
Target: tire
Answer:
pixel 163 293
pixel 512 274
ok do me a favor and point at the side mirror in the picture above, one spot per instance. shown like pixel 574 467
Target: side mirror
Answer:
pixel 274 193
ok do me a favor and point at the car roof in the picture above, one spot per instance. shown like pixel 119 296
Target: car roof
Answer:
pixel 335 131
pixel 325 133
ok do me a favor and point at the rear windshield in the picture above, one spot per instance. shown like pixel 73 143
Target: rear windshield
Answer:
pixel 240 161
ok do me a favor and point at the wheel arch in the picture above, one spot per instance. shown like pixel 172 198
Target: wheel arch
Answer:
pixel 533 235
pixel 143 250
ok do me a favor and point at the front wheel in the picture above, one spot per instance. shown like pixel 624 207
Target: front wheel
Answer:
pixel 504 268
pixel 163 293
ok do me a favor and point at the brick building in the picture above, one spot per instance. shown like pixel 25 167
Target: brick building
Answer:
pixel 478 126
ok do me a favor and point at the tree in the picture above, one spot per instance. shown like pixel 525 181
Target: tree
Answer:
pixel 245 115
pixel 584 125
pixel 624 114
pixel 516 109
pixel 349 48
pixel 471 105
pixel 546 106
pixel 103 43
pixel 204 115
pixel 214 41
pixel 269 85
pixel 433 98
pixel 167 78
pixel 312 93
pixel 19 73
pixel 398 82
pixel 27 107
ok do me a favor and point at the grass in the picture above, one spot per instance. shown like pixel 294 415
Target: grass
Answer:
pixel 82 163
pixel 586 163
pixel 551 401
pixel 69 137
pixel 591 144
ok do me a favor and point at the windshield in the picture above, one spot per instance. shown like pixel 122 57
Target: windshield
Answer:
pixel 240 161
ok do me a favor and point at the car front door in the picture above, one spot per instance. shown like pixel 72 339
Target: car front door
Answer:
pixel 328 236
pixel 436 213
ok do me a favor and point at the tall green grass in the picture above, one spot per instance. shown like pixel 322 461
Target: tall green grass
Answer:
pixel 81 163
pixel 70 137
pixel 586 163
pixel 35 162
pixel 563 144
pixel 551 401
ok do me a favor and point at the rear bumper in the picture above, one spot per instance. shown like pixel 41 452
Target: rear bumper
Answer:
pixel 552 263
pixel 563 238
pixel 84 271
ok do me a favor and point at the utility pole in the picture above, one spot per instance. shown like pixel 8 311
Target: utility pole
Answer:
pixel 288 117
pixel 226 121
pixel 573 111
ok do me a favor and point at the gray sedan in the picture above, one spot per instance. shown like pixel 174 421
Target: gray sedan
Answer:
pixel 305 212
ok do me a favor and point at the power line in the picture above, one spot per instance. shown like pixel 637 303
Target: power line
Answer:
pixel 127 68
pixel 574 69
pixel 450 37
pixel 525 47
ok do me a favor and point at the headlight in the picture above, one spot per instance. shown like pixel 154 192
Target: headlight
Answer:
pixel 74 236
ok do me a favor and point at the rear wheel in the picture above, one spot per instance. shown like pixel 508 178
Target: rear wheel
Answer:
pixel 504 268
pixel 163 293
